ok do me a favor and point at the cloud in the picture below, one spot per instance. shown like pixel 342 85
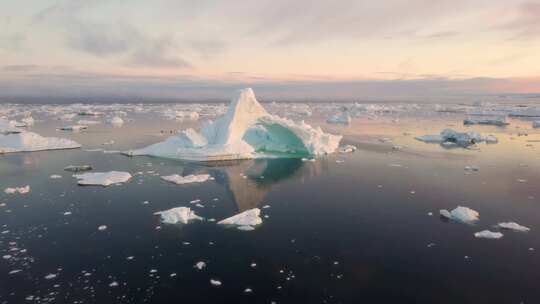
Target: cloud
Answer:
pixel 526 25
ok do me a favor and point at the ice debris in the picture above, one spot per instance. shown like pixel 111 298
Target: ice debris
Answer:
pixel 180 180
pixel 461 214
pixel 78 168
pixel 342 118
pixel 486 234
pixel 244 220
pixel 513 226
pixel 245 131
pixel 460 138
pixel 178 215
pixel 499 121
pixel 20 190
pixel 102 178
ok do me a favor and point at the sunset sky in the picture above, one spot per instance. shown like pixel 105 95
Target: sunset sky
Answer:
pixel 346 48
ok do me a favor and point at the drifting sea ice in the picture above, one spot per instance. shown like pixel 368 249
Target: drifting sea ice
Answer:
pixel 74 128
pixel 102 178
pixel 245 220
pixel 180 180
pixel 486 234
pixel 461 138
pixel 461 214
pixel 178 215
pixel 499 121
pixel 513 226
pixel 20 190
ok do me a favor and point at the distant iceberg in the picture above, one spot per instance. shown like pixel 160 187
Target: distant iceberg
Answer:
pixel 461 214
pixel 102 178
pixel 499 121
pixel 245 131
pixel 15 140
pixel 460 138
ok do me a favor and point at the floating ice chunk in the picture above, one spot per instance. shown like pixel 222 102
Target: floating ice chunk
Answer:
pixel 180 180
pixel 102 228
pixel 513 226
pixel 178 215
pixel 246 228
pixel 245 131
pixel 88 122
pixel 248 218
pixel 215 282
pixel 472 168
pixel 78 168
pixel 29 141
pixel 50 276
pixel 116 121
pixel 102 178
pixel 20 190
pixel 55 176
pixel 347 149
pixel 499 121
pixel 7 128
pixel 530 112
pixel 461 138
pixel 74 128
pixel 486 234
pixel 187 115
pixel 342 118
pixel 113 284
pixel 536 124
pixel 200 265
pixel 461 214
pixel 28 121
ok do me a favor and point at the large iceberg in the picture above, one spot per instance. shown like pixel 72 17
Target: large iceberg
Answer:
pixel 245 131
pixel 11 141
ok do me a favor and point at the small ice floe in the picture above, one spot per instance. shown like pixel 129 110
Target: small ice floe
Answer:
pixel 342 118
pixel 461 214
pixel 102 228
pixel 498 121
pixel 113 284
pixel 347 149
pixel 536 124
pixel 486 234
pixel 459 138
pixel 472 168
pixel 245 220
pixel 248 290
pixel 215 282
pixel 116 121
pixel 178 215
pixel 73 128
pixel 50 276
pixel 20 190
pixel 521 180
pixel 513 226
pixel 67 213
pixel 200 265
pixel 14 271
pixel 188 179
pixel 78 168
pixel 102 178
pixel 88 122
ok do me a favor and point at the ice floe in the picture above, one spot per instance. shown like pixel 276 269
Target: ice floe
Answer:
pixel 74 128
pixel 245 131
pixel 460 138
pixel 20 190
pixel 116 121
pixel 343 118
pixel 178 215
pixel 245 220
pixel 78 168
pixel 461 214
pixel 513 226
pixel 29 142
pixel 102 178
pixel 188 179
pixel 486 234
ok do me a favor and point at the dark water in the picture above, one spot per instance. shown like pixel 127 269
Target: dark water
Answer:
pixel 355 231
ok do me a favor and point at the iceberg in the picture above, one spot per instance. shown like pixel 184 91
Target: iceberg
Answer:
pixel 536 124
pixel 245 220
pixel 513 226
pixel 178 215
pixel 180 180
pixel 102 178
pixel 343 118
pixel 461 214
pixel 460 138
pixel 116 121
pixel 29 142
pixel 20 190
pixel 7 128
pixel 245 131
pixel 486 234
pixel 499 121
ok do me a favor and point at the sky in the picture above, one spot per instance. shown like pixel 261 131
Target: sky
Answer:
pixel 344 49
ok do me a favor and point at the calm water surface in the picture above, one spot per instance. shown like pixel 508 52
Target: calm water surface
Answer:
pixel 347 228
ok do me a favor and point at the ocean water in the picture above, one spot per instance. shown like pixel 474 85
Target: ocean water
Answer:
pixel 346 228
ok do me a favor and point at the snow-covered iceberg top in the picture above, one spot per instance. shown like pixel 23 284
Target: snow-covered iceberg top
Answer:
pixel 102 178
pixel 460 138
pixel 188 179
pixel 245 131
pixel 461 214
pixel 245 220
pixel 178 215
pixel 29 141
